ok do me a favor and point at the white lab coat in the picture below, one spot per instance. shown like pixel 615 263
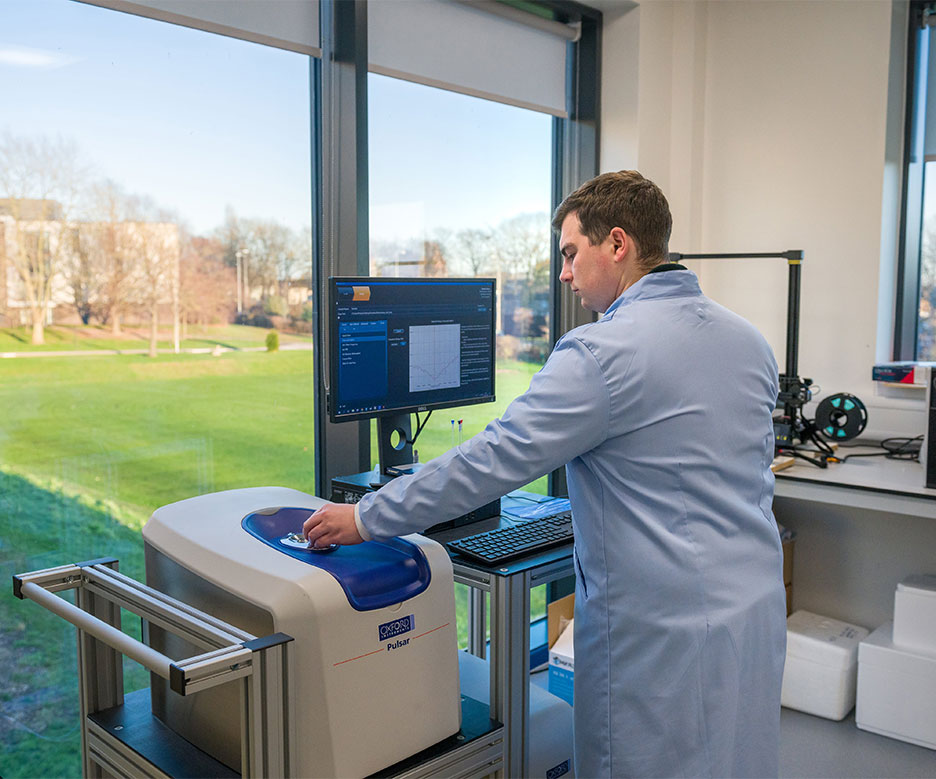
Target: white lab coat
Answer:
pixel 661 411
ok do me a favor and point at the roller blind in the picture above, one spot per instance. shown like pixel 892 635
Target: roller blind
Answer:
pixel 285 24
pixel 466 49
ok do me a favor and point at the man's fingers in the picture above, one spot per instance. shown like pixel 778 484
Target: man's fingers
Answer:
pixel 310 525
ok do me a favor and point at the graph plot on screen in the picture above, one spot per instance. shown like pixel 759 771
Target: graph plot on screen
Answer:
pixel 434 357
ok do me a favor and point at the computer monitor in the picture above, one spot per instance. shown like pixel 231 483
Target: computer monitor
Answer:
pixel 404 345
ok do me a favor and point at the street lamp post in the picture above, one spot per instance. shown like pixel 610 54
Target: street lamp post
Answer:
pixel 237 264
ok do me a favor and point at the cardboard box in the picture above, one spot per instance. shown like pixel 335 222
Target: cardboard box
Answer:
pixel 915 613
pixel 821 668
pixel 896 690
pixel 560 622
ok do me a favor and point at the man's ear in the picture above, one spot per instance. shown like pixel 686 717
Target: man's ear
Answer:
pixel 621 242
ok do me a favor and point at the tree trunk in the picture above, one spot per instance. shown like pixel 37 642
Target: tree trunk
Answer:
pixel 154 323
pixel 38 328
pixel 115 323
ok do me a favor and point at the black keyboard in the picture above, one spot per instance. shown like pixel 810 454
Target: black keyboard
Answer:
pixel 505 543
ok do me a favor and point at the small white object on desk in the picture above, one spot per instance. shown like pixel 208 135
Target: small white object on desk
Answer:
pixel 821 669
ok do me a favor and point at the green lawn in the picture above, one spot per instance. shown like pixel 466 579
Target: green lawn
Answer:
pixel 89 446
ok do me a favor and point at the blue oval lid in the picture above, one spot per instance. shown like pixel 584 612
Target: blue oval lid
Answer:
pixel 373 574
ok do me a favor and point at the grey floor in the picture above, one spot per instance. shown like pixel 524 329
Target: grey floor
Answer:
pixel 816 747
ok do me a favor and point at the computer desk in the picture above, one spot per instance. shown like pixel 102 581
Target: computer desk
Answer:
pixel 509 587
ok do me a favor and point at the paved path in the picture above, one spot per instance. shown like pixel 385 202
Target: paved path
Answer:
pixel 199 350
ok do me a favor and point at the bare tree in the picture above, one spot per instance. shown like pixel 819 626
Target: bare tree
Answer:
pixel 154 237
pixel 41 180
pixel 206 283
pixel 522 243
pixel 80 271
pixel 473 249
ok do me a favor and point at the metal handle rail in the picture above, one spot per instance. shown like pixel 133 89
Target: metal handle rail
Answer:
pixel 232 654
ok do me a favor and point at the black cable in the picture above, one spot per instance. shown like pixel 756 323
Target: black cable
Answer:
pixel 895 448
pixel 419 426
pixel 819 462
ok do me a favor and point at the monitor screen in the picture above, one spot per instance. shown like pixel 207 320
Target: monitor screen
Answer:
pixel 400 345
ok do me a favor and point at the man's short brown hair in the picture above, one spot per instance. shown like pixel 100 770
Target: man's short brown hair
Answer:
pixel 623 199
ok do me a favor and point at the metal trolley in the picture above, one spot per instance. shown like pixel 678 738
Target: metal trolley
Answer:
pixel 120 736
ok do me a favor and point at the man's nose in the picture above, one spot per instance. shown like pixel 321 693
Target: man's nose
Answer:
pixel 565 275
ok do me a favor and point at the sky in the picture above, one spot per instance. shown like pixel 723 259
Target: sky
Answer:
pixel 200 122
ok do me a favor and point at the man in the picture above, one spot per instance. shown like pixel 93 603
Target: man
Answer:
pixel 661 411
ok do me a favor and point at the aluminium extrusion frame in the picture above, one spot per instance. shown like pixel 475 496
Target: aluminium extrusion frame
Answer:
pixel 510 646
pixel 261 664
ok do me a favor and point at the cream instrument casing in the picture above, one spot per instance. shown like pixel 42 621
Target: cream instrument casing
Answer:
pixel 373 675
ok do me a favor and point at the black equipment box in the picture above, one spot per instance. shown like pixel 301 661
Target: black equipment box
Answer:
pixel 350 489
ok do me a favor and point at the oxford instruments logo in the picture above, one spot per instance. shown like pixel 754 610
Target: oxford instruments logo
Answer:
pixel 397 627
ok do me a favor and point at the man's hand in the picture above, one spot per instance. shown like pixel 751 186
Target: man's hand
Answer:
pixel 332 524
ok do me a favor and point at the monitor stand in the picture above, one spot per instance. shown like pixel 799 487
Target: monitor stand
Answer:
pixel 391 454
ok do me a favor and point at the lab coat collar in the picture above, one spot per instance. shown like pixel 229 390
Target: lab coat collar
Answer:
pixel 671 284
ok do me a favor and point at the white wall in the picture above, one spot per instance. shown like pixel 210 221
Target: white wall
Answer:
pixel 766 123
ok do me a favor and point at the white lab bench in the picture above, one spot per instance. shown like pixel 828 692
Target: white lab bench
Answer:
pixel 862 526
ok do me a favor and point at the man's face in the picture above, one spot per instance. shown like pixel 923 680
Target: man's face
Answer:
pixel 589 269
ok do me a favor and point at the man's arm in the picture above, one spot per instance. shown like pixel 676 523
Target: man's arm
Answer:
pixel 564 413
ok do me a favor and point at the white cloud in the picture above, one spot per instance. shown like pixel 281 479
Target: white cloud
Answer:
pixel 25 57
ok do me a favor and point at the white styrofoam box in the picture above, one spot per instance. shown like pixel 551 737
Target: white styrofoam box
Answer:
pixel 915 613
pixel 562 665
pixel 550 718
pixel 821 665
pixel 896 690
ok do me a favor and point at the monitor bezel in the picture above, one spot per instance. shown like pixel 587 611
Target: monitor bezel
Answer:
pixel 334 281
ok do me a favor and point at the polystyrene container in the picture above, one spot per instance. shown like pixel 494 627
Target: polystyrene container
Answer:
pixel 915 613
pixel 821 669
pixel 896 690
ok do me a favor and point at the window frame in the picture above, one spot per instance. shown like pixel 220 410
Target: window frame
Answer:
pixel 907 298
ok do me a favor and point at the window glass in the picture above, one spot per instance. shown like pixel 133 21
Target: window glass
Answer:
pixel 926 332
pixel 461 186
pixel 155 212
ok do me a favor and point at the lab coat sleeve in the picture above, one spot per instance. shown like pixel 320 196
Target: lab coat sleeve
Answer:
pixel 563 414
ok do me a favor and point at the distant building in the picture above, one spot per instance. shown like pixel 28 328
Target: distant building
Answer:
pixel 75 261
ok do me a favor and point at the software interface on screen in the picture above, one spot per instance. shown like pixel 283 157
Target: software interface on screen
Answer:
pixel 410 344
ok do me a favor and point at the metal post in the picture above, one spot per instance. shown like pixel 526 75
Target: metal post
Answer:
pixel 240 292
pixel 477 623
pixel 100 668
pixel 510 667
pixel 793 311
pixel 343 449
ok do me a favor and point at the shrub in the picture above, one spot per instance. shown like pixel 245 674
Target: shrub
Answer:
pixel 275 305
pixel 272 341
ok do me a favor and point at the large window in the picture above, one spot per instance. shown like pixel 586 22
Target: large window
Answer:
pixel 155 212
